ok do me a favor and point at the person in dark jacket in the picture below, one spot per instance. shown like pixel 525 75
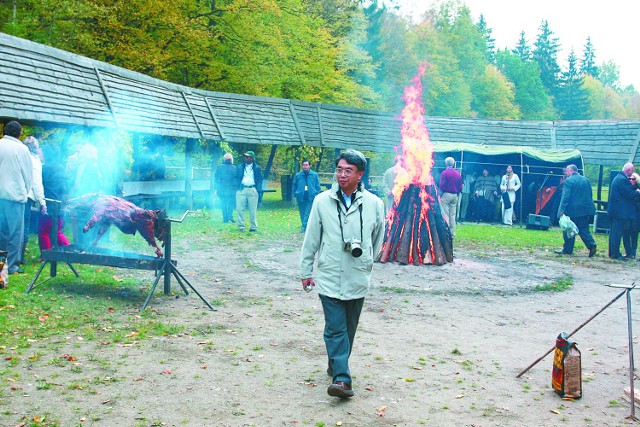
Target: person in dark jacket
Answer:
pixel 306 186
pixel 249 183
pixel 621 209
pixel 577 204
pixel 54 181
pixel 226 186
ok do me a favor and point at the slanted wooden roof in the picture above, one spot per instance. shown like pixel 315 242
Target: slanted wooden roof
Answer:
pixel 40 84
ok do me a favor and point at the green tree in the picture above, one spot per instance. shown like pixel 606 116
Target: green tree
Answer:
pixel 388 43
pixel 631 102
pixel 603 102
pixel 522 49
pixel 609 75
pixel 446 90
pixel 588 61
pixel 545 53
pixel 572 98
pixel 495 96
pixel 530 95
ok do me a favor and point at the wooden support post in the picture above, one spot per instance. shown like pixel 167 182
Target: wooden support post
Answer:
pixel 188 172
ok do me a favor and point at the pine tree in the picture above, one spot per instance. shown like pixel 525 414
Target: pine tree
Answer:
pixel 572 100
pixel 490 52
pixel 588 62
pixel 545 54
pixel 522 49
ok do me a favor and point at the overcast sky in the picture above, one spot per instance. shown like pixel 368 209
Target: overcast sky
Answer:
pixel 613 25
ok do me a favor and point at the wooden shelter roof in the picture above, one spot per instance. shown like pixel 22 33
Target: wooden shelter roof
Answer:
pixel 43 85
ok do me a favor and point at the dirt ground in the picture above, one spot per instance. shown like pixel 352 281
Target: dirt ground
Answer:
pixel 437 346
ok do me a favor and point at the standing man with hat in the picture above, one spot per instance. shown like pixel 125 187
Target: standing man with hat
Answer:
pixel 249 178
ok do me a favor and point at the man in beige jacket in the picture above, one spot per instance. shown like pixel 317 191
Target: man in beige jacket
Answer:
pixel 346 230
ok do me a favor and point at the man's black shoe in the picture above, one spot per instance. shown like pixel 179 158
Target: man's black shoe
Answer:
pixel 592 251
pixel 560 252
pixel 340 389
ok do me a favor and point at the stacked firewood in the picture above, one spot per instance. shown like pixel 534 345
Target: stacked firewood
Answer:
pixel 416 231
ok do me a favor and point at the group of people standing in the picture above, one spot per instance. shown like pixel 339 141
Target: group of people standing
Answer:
pixel 624 213
pixel 238 188
pixel 28 176
pixel 484 193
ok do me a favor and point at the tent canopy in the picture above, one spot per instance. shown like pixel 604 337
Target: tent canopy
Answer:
pixel 511 154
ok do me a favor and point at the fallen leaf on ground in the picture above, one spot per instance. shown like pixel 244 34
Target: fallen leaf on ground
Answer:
pixel 167 372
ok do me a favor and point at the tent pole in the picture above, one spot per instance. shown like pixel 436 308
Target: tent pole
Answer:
pixel 521 185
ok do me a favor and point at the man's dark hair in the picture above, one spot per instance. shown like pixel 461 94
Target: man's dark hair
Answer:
pixel 306 161
pixel 353 157
pixel 13 129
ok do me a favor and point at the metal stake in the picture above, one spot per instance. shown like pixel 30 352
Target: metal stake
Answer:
pixel 631 368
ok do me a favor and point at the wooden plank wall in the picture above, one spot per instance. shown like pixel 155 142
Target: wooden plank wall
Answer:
pixel 43 85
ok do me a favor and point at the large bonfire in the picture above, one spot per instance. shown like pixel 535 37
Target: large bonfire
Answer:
pixel 416 231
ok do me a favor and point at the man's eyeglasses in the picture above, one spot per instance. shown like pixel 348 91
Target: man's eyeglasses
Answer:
pixel 632 179
pixel 345 172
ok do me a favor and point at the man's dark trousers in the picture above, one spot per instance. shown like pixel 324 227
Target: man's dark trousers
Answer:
pixel 341 321
pixel 582 222
pixel 620 227
pixel 304 207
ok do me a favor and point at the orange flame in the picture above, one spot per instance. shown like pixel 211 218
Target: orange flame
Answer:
pixel 414 167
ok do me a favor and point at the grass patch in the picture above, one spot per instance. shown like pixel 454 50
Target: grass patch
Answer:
pixel 559 285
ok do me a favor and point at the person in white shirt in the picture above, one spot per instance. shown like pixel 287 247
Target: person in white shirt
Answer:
pixel 249 178
pixel 16 176
pixel 509 184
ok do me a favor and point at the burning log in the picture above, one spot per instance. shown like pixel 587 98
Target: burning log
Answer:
pixel 105 211
pixel 416 232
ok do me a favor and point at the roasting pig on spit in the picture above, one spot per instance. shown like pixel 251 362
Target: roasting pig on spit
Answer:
pixel 105 210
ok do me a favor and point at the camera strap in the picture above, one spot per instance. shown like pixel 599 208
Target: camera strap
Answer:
pixel 340 220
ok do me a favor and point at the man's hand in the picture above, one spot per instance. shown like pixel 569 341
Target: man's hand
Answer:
pixel 308 284
pixel 43 209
